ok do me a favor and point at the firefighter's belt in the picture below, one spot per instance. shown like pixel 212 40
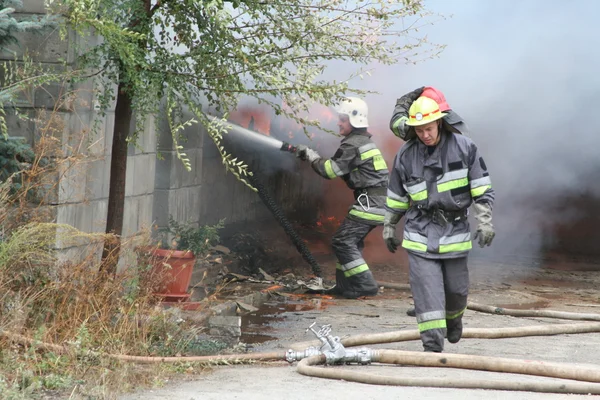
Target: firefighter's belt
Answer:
pixel 443 217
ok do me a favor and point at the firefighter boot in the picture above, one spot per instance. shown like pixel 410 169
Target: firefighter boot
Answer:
pixel 455 329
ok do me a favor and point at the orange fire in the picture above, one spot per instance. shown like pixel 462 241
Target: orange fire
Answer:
pixel 255 119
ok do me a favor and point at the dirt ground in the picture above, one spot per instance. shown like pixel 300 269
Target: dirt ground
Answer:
pixel 283 321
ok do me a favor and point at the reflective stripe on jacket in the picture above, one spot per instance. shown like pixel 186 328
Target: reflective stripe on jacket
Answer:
pixel 360 164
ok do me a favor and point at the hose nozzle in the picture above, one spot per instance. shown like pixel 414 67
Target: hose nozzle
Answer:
pixel 288 147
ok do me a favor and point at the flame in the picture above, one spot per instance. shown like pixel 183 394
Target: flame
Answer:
pixel 255 119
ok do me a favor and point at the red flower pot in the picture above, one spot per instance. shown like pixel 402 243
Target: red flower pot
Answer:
pixel 175 267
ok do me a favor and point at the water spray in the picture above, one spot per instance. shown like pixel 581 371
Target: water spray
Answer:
pixel 268 200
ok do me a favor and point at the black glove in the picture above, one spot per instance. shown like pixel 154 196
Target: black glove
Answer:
pixel 389 237
pixel 406 100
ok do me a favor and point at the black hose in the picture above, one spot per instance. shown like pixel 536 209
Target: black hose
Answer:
pixel 285 224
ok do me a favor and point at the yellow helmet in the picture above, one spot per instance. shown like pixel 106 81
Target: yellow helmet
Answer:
pixel 423 111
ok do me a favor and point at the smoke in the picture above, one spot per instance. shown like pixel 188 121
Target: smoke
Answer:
pixel 524 75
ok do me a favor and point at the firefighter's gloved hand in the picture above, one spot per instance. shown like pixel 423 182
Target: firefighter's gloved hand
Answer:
pixel 305 153
pixel 389 231
pixel 406 100
pixel 485 230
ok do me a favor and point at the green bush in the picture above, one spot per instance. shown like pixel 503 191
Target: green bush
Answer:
pixel 197 239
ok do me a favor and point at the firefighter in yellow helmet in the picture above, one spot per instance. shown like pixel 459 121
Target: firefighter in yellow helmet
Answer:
pixel 435 178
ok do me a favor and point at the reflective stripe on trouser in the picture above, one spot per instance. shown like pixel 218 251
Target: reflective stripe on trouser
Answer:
pixel 439 288
pixel 353 277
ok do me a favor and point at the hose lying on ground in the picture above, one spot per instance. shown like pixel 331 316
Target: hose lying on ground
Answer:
pixel 534 313
pixel 307 367
pixel 509 311
pixel 471 333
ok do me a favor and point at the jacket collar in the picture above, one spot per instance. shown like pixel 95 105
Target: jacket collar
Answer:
pixel 357 132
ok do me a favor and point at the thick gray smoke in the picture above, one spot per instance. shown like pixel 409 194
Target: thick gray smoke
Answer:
pixel 525 76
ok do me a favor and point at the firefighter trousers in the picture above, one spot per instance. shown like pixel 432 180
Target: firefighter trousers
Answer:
pixel 439 288
pixel 353 277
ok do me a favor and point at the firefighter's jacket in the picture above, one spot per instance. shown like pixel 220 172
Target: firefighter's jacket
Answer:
pixel 360 164
pixel 433 192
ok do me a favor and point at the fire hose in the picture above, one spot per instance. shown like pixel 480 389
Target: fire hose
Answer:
pixel 334 351
pixel 268 200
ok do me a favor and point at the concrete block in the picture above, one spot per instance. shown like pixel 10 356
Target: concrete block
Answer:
pixel 76 215
pixel 72 185
pixel 184 204
pixel 164 140
pixel 22 127
pixel 33 7
pixel 99 210
pixel 147 141
pixel 130 219
pixel 162 178
pixel 144 168
pixel 145 212
pixel 225 325
pixel 46 47
pixel 109 127
pixel 96 138
pixel 160 207
pixel 130 176
pixel 54 125
pixel 172 174
pixel 97 179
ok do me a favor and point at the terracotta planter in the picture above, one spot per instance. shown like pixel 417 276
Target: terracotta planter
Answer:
pixel 175 267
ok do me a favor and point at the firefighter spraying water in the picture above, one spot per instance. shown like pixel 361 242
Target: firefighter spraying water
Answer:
pixel 360 164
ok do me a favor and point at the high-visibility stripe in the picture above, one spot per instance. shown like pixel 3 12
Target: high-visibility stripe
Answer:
pixel 480 190
pixel 370 153
pixel 456 314
pixel 485 181
pixel 352 264
pixel 410 245
pixel 397 196
pixel 480 186
pixel 356 270
pixel 431 315
pixel 396 205
pixel 332 170
pixel 418 191
pixel 444 187
pixel 453 175
pixel 366 215
pixel 414 241
pixel 397 123
pixel 379 163
pixel 366 147
pixel 424 115
pixel 416 188
pixel 435 324
pixel 455 247
pixel 461 237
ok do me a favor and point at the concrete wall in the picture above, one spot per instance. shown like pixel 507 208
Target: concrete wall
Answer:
pixel 155 187
pixel 208 193
pixel 81 196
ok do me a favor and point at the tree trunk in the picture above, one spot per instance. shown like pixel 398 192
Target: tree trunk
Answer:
pixel 118 174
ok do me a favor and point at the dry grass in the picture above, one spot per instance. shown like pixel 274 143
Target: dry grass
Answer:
pixel 52 290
